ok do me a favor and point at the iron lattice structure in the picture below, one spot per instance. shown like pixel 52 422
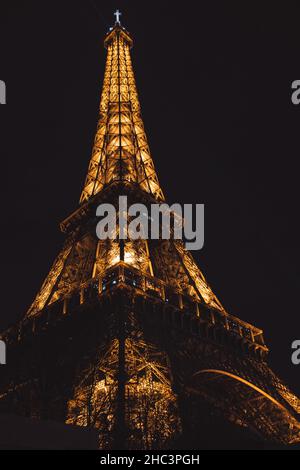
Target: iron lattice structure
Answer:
pixel 126 335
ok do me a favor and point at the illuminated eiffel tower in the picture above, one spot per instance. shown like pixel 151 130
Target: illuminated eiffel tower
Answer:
pixel 126 335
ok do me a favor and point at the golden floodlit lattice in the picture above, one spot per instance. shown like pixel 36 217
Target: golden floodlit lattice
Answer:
pixel 121 151
pixel 126 382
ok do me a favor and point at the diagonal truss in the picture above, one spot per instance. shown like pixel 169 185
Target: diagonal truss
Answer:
pixel 120 152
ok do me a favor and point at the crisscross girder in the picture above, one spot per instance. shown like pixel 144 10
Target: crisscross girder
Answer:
pixel 120 152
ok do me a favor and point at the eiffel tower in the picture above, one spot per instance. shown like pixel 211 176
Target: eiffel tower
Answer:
pixel 126 336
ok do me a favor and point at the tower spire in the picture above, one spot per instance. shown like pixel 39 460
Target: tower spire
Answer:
pixel 121 152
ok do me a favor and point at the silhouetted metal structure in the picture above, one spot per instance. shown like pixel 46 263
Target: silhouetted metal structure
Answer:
pixel 126 335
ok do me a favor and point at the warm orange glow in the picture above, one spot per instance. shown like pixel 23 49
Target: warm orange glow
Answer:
pixel 151 409
pixel 121 151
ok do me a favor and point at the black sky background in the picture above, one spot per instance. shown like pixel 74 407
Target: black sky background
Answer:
pixel 214 80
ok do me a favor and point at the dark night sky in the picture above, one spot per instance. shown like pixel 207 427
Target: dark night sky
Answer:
pixel 214 80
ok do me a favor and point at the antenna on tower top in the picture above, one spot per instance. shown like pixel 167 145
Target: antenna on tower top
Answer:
pixel 117 14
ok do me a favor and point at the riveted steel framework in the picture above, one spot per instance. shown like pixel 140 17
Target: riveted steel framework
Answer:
pixel 121 151
pixel 141 339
